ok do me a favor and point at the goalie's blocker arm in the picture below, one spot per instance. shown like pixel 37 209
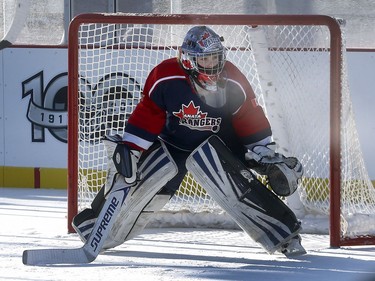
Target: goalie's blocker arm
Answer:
pixel 283 173
pixel 121 160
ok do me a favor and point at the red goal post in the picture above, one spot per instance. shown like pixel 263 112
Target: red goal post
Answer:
pixel 108 51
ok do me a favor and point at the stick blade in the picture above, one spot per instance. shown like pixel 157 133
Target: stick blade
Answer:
pixel 56 256
pixel 93 245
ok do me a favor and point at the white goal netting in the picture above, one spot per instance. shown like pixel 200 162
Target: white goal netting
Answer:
pixel 289 67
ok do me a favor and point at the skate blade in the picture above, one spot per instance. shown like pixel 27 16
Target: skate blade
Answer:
pixel 295 253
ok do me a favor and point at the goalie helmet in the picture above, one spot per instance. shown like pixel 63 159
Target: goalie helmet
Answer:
pixel 203 56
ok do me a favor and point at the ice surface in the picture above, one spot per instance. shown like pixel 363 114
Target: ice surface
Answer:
pixel 36 218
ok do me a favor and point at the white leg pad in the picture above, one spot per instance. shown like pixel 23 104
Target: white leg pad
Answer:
pixel 155 205
pixel 259 212
pixel 156 170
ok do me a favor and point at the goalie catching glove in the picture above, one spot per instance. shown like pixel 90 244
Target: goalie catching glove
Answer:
pixel 283 173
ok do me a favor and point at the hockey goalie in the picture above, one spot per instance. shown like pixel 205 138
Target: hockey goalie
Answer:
pixel 199 114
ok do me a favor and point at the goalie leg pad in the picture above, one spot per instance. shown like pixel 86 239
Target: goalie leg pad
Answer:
pixel 136 221
pixel 257 210
pixel 156 167
pixel 84 221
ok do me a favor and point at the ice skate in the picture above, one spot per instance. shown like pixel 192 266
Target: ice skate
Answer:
pixel 293 247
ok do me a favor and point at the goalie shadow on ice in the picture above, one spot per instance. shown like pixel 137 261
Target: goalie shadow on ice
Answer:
pixel 198 114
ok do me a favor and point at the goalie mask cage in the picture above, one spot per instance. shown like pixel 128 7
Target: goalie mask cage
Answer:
pixel 296 65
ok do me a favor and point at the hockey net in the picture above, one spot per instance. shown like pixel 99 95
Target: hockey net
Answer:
pixel 298 71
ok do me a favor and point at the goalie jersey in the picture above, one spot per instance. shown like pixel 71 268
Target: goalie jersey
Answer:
pixel 172 109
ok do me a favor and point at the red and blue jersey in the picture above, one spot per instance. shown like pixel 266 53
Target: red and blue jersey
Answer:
pixel 172 110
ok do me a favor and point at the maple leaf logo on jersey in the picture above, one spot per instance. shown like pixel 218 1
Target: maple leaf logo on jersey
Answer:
pixel 191 117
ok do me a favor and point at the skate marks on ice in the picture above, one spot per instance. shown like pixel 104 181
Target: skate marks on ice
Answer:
pixel 36 220
pixel 230 255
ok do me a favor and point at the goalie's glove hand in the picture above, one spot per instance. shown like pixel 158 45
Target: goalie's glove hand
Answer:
pixel 284 173
pixel 121 160
pixel 262 154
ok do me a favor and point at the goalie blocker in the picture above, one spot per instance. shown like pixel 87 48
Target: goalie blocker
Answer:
pixel 257 210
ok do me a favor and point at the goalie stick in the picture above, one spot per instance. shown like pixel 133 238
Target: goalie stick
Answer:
pixel 156 170
pixel 91 249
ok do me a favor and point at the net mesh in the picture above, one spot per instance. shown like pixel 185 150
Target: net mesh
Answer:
pixel 289 69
